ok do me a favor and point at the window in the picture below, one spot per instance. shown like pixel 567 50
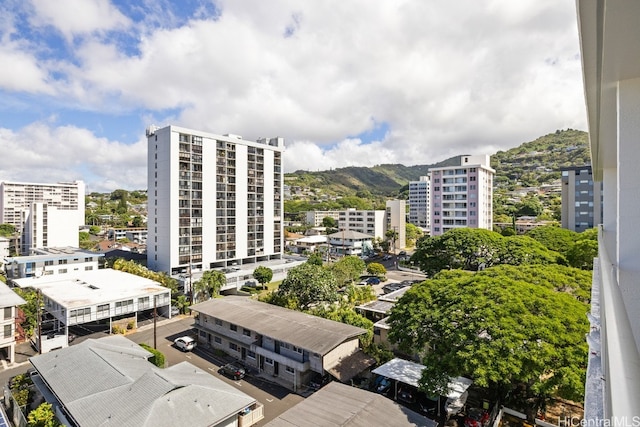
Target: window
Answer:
pixel 217 340
pixel 218 322
pixel 48 263
pixel 8 333
pixel 289 370
pixel 62 271
pixel 8 313
pixel 124 306
pixel 251 354
pixel 62 261
pixel 233 346
pixel 233 327
pixel 246 332
pixel 88 268
pixel 268 361
pixel 80 315
pixel 103 310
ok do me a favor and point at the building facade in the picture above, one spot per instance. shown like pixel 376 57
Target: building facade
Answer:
pixel 9 302
pixel 288 345
pixel 314 218
pixel 57 206
pixel 396 220
pixel 51 261
pixel 609 35
pixel 581 199
pixel 370 222
pixel 419 203
pixel 462 195
pixel 213 201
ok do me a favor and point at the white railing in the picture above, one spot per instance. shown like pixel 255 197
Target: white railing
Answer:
pixel 620 360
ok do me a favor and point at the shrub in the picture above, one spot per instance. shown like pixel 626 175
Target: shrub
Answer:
pixel 157 358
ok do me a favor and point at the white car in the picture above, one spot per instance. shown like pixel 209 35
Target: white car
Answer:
pixel 185 343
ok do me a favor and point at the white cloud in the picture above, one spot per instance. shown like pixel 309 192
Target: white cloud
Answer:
pixel 44 152
pixel 78 17
pixel 447 78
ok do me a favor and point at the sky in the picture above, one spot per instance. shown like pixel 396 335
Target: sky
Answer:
pixel 345 83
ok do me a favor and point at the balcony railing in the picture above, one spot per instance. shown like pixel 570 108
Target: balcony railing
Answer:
pixel 255 414
pixel 613 374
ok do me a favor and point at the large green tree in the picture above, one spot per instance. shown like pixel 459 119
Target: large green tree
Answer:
pixel 518 332
pixel 555 238
pixel 209 285
pixel 348 269
pixel 263 274
pixel 307 285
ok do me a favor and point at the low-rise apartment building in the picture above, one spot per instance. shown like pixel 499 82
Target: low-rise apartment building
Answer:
pixel 51 261
pixel 9 301
pixel 289 345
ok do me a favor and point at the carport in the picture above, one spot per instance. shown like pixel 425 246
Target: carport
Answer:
pixel 408 372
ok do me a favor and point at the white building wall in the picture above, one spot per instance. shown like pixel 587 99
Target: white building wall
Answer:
pixel 396 220
pixel 345 349
pixel 218 249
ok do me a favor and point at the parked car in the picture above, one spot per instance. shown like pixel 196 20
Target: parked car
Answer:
pixel 387 257
pixel 391 287
pixel 233 370
pixel 405 394
pixel 373 281
pixel 318 381
pixel 174 310
pixel 185 343
pixel 476 417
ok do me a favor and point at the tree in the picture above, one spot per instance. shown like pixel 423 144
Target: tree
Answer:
pixel 7 230
pixel 555 238
pixel 263 275
pixel 392 236
pixel 464 248
pixel 94 230
pixel 182 303
pixel 582 252
pixel 307 285
pixel 519 337
pixel 137 221
pixel 315 259
pixel 412 233
pixel 329 223
pixel 209 285
pixel 348 269
pixel 376 269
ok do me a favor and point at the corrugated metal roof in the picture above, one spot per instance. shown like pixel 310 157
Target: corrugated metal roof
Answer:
pixel 109 381
pixel 342 405
pixel 311 333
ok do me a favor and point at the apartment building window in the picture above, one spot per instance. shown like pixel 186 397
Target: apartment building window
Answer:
pixel 217 340
pixel 47 263
pixel 62 261
pixel 251 354
pixel 8 332
pixel 233 327
pixel 124 306
pixel 268 361
pixel 80 315
pixel 218 322
pixel 62 271
pixel 88 268
pixel 233 346
pixel 289 370
pixel 8 313
pixel 103 310
pixel 246 332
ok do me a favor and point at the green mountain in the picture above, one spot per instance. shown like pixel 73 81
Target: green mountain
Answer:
pixel 530 164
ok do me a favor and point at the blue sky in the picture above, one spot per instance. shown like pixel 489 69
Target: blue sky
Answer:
pixel 355 83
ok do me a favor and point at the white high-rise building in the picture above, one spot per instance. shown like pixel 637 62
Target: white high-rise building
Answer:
pixel 419 202
pixel 214 201
pixel 462 195
pixel 50 211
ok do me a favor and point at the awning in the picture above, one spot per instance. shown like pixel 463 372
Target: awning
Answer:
pixel 352 365
pixel 409 372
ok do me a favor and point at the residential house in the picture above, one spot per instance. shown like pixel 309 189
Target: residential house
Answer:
pixel 349 242
pixel 109 381
pixel 9 302
pixel 288 345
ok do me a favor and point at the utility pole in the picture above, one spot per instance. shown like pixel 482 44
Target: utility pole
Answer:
pixel 155 316
pixel 39 318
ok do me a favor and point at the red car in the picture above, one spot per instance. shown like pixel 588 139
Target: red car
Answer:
pixel 476 417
